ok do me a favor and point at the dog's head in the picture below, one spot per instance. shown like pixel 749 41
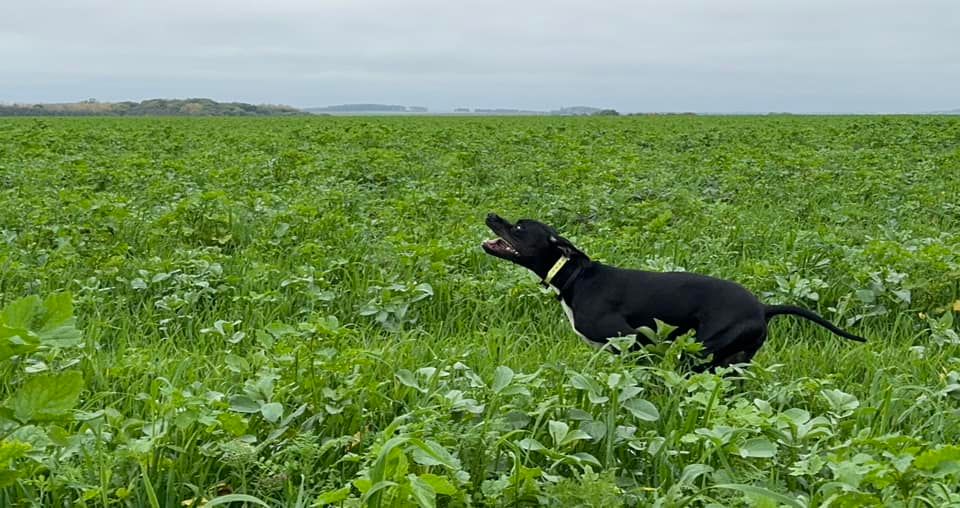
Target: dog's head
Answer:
pixel 528 243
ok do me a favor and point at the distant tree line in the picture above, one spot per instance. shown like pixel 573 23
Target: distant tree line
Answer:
pixel 680 113
pixel 566 111
pixel 367 108
pixel 151 107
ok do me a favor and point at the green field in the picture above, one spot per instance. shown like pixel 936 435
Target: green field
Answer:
pixel 291 312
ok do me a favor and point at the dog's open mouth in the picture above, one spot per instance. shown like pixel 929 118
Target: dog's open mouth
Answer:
pixel 500 246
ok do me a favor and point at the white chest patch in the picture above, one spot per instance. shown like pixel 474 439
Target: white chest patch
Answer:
pixel 569 312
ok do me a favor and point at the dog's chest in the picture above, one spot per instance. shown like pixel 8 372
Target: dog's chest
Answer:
pixel 569 312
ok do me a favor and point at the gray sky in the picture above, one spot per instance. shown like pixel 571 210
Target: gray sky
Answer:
pixel 689 55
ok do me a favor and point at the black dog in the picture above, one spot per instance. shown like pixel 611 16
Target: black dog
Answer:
pixel 604 302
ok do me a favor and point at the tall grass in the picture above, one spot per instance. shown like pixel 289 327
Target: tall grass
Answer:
pixel 221 269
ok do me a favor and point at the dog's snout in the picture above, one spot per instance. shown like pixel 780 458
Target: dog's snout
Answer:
pixel 494 219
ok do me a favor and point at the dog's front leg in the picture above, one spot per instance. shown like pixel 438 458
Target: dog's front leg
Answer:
pixel 598 331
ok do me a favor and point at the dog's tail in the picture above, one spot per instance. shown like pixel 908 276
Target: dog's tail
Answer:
pixel 776 310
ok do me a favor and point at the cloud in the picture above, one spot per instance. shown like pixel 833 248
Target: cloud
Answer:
pixel 749 55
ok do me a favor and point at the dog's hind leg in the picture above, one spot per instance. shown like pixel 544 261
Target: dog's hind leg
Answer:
pixel 735 344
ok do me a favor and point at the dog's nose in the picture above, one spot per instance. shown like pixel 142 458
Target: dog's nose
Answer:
pixel 492 216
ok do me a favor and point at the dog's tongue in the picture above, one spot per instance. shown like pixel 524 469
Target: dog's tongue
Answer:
pixel 491 243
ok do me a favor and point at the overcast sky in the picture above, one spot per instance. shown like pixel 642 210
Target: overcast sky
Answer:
pixel 636 55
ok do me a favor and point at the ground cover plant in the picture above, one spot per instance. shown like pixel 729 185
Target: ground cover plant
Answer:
pixel 296 312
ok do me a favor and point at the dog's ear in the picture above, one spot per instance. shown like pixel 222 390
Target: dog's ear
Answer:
pixel 566 248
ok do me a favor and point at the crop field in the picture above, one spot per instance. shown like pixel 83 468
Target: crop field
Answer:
pixel 297 312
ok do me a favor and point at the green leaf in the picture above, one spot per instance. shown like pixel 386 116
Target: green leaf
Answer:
pixel 796 416
pixel 758 447
pixel 693 471
pixel 558 431
pixel 596 430
pixel 17 341
pixel 58 435
pixel 430 453
pixel 20 313
pixel 148 486
pixel 272 411
pixel 372 496
pixel 363 484
pixel 585 458
pixel 903 294
pixel 441 484
pixel 854 499
pixel 11 450
pixel 235 498
pixel 516 390
pixel 762 493
pixel 629 392
pixel 596 398
pixel 664 329
pixel 8 477
pixel 866 296
pixel 501 378
pixel 378 472
pixel 63 336
pixel 28 323
pixel 278 329
pixel 46 396
pixel 406 378
pixel 425 289
pixel 581 382
pixel 932 460
pixel 160 277
pixel 333 496
pixel 642 409
pixel 574 436
pixel 244 404
pixel 422 491
pixel 841 402
pixel 531 444
pixel 236 363
pixel 235 424
pixel 57 310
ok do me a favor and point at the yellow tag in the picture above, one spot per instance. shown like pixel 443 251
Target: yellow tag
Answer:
pixel 956 306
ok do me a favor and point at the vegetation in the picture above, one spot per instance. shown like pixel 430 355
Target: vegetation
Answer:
pixel 152 107
pixel 368 108
pixel 296 312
